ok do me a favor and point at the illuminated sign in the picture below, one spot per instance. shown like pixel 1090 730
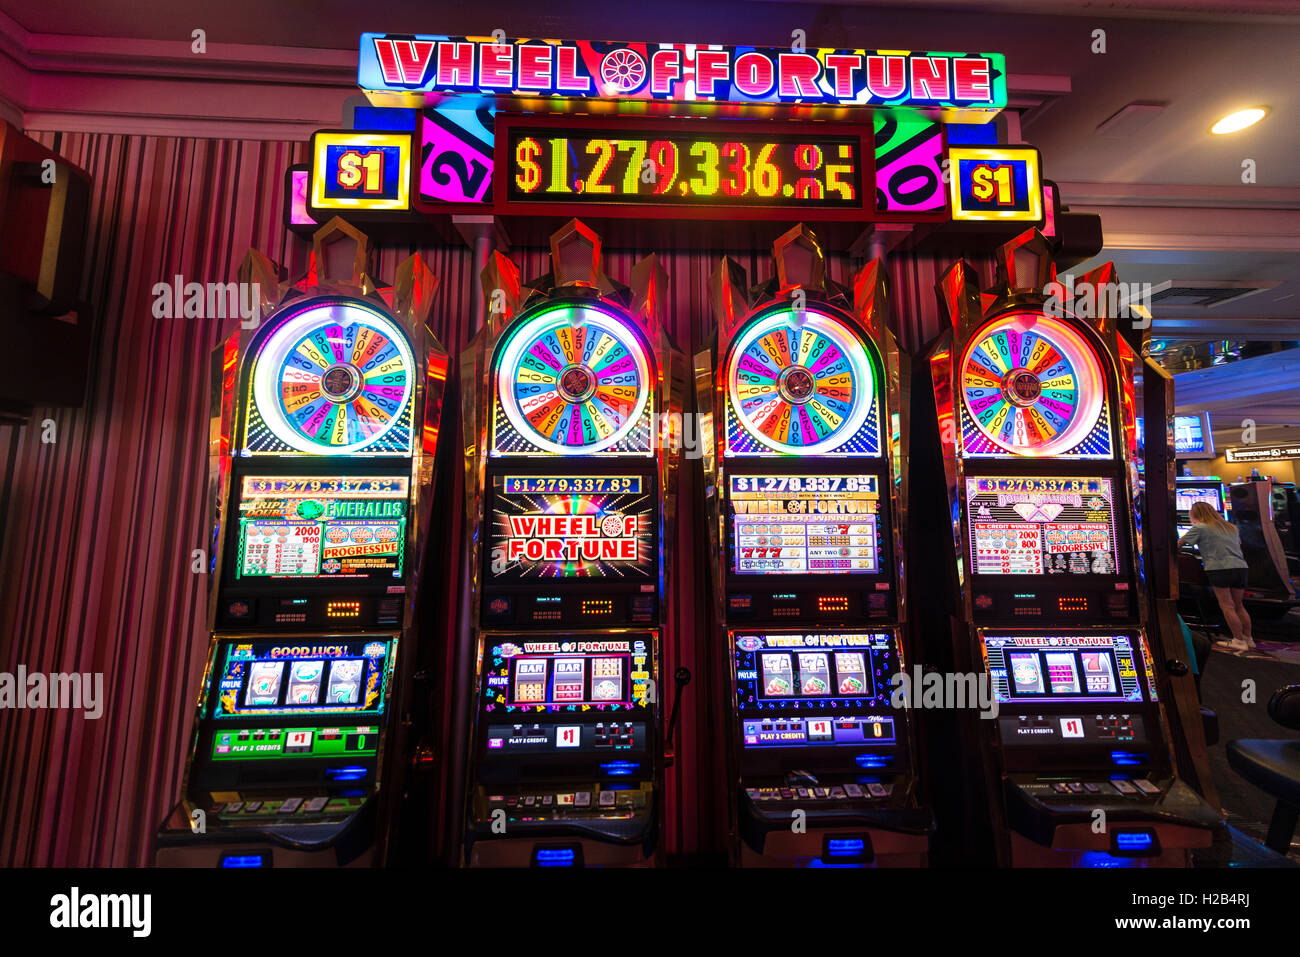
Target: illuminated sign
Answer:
pixel 1041 526
pixel 787 684
pixel 548 527
pixel 1063 668
pixel 567 674
pixel 413 66
pixel 995 184
pixel 1263 453
pixel 326 527
pixel 360 171
pixel 804 525
pixel 659 168
pixel 269 678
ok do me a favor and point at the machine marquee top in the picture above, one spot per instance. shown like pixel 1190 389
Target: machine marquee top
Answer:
pixel 408 68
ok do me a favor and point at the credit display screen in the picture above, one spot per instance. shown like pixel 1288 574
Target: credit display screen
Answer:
pixel 250 744
pixel 804 524
pixel 567 526
pixel 1064 667
pixel 795 688
pixel 321 527
pixel 1041 526
pixel 301 676
pixel 680 169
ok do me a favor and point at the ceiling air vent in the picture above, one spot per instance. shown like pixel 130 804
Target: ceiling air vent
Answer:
pixel 1207 293
pixel 1130 121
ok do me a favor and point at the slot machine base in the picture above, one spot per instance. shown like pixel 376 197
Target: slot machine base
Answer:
pixel 332 838
pixel 563 825
pixel 838 847
pixel 1148 822
pixel 849 833
pixel 556 851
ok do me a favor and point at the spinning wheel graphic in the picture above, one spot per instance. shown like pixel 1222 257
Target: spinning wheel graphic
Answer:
pixel 573 380
pixel 800 389
pixel 1031 384
pixel 334 378
pixel 623 70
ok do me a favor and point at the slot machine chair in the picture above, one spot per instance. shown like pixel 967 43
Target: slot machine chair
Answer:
pixel 1273 766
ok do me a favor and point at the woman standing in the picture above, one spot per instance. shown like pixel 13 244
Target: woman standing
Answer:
pixel 1219 543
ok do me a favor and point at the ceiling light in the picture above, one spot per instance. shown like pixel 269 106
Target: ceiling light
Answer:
pixel 1240 120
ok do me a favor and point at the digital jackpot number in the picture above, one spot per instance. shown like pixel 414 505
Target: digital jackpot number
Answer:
pixel 595 169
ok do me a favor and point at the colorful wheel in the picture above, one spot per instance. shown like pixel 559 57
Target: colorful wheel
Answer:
pixel 623 70
pixel 800 389
pixel 334 378
pixel 1032 384
pixel 573 380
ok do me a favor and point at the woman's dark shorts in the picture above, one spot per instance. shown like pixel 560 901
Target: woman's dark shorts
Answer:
pixel 1227 577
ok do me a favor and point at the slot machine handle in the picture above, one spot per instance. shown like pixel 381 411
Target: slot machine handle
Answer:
pixel 681 678
pixel 1176 667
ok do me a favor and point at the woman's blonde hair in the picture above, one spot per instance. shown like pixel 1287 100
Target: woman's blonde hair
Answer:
pixel 1207 514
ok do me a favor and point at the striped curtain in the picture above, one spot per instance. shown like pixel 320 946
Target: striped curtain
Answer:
pixel 100 525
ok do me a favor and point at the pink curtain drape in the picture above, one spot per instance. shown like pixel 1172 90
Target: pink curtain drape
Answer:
pixel 101 524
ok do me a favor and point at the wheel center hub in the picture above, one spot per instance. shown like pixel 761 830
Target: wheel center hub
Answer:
pixel 1021 387
pixel 796 385
pixel 577 383
pixel 341 383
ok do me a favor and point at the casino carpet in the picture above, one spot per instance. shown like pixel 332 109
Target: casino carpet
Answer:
pixel 1276 664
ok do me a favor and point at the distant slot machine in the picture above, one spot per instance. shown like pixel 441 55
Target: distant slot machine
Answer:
pixel 800 393
pixel 1256 515
pixel 1197 488
pixel 324 432
pixel 571 496
pixel 1036 420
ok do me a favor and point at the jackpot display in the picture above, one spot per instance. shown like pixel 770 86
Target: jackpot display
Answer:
pixel 328 416
pixel 1038 474
pixel 805 526
pixel 572 499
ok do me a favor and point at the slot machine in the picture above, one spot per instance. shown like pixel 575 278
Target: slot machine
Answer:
pixel 1036 424
pixel 324 431
pixel 800 396
pixel 1198 488
pixel 571 493
pixel 1254 514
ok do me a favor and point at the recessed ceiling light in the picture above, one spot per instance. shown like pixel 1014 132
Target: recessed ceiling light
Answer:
pixel 1234 122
